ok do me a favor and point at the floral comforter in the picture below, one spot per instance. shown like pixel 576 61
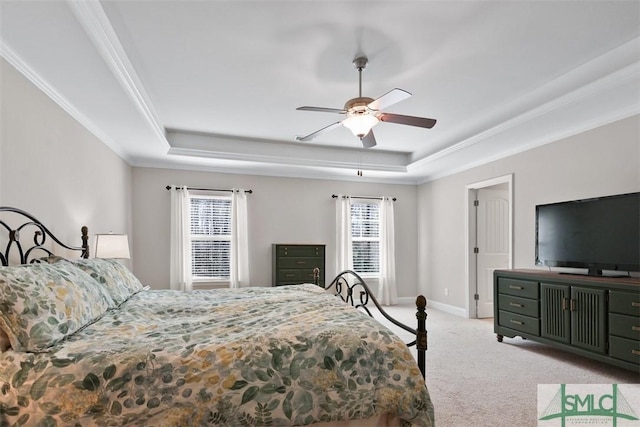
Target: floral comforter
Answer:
pixel 291 355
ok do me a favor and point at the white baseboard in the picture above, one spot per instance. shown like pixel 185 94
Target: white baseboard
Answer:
pixel 451 309
pixel 406 300
pixel 447 308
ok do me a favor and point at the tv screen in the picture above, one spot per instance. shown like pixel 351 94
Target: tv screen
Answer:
pixel 598 234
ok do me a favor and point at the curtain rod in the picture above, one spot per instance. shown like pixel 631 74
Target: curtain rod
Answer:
pixel 335 196
pixel 168 187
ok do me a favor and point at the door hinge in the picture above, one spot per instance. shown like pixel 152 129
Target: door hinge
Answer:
pixel 476 297
pixel 476 203
pixel 476 250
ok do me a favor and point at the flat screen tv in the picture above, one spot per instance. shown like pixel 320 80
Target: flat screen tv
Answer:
pixel 597 234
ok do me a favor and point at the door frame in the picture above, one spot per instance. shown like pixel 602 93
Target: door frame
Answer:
pixel 470 233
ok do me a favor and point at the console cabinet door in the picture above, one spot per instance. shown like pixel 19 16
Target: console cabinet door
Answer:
pixel 588 319
pixel 555 315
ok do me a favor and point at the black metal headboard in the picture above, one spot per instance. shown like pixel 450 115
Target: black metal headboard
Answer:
pixel 27 251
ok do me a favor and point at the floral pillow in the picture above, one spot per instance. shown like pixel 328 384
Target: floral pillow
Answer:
pixel 117 279
pixel 40 304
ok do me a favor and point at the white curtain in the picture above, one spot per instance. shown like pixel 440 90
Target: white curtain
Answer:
pixel 239 239
pixel 180 259
pixel 387 291
pixel 344 251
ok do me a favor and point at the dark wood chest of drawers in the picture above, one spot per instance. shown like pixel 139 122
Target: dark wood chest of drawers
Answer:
pixel 294 264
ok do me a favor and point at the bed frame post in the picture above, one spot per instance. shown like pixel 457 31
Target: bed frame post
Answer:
pixel 421 333
pixel 85 242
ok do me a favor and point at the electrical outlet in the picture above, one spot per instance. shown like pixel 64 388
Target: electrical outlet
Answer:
pixel 446 292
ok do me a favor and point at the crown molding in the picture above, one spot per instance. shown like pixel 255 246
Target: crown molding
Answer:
pixel 625 57
pixel 185 143
pixel 96 24
pixel 534 143
pixel 286 172
pixel 281 160
pixel 614 79
pixel 30 74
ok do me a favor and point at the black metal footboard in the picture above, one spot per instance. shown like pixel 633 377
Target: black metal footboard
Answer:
pixel 349 283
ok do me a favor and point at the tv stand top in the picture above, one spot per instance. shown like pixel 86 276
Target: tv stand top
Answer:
pixel 595 273
pixel 570 278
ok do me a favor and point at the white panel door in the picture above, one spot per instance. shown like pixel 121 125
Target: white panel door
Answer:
pixel 492 243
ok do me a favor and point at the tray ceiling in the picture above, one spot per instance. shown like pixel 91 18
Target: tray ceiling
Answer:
pixel 215 85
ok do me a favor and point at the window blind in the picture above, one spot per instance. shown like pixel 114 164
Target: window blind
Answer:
pixel 365 237
pixel 210 237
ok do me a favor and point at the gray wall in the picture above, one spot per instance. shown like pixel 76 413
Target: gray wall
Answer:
pixel 603 161
pixel 281 210
pixel 52 167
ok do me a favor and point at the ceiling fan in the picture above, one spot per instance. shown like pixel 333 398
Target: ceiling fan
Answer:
pixel 364 113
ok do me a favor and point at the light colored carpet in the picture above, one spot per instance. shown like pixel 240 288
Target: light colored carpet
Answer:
pixel 476 381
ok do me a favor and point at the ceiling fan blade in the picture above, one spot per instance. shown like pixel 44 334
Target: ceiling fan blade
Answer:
pixel 369 140
pixel 318 132
pixel 322 109
pixel 389 98
pixel 421 122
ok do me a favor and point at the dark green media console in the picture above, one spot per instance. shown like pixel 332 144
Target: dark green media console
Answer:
pixel 596 317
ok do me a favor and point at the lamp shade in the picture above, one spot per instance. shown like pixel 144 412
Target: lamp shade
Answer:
pixel 360 124
pixel 112 246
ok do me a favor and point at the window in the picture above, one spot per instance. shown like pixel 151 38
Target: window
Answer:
pixel 365 237
pixel 210 236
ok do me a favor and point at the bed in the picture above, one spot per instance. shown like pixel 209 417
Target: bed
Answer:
pixel 84 343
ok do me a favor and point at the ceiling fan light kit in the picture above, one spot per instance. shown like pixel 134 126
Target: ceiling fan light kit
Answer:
pixel 360 124
pixel 363 113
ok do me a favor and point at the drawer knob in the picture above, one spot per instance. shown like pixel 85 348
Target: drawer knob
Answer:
pixel 635 328
pixel 635 304
pixel 516 287
pixel 636 352
pixel 515 304
pixel 301 262
pixel 517 322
